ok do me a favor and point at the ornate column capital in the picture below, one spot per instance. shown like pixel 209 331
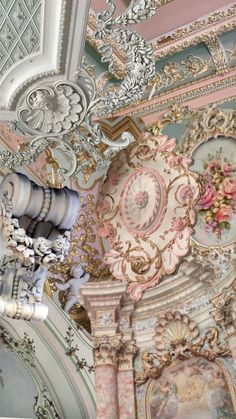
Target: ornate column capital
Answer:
pixel 106 348
pixel 126 355
pixel 114 350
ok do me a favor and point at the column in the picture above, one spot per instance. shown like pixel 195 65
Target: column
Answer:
pixel 105 357
pixel 103 302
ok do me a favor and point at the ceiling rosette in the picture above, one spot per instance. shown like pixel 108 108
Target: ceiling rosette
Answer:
pixel 146 212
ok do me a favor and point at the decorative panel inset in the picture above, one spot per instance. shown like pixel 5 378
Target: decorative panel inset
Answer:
pixel 19 31
pixel 216 161
pixel 147 212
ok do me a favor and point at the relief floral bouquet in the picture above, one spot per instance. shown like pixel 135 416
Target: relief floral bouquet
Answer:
pixel 217 203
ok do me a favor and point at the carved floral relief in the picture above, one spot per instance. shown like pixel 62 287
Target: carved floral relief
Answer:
pixel 146 212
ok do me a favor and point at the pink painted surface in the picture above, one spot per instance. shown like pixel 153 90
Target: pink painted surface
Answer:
pixel 106 392
pixel 126 394
pixel 148 225
pixel 87 221
pixel 169 17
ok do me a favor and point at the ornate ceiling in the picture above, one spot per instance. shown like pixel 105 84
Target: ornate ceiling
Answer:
pixel 76 96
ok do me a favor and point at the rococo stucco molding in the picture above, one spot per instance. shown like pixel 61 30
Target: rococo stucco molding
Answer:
pixel 177 337
pixel 51 112
pixel 146 212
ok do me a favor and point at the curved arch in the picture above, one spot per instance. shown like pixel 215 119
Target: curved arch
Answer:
pixel 71 390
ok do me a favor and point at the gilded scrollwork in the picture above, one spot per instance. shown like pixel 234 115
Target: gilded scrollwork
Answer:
pixel 83 249
pixel 178 337
pixel 134 209
pixel 177 72
pixel 203 124
pixel 174 115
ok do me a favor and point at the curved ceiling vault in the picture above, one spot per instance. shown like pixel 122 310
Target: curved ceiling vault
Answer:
pixel 77 92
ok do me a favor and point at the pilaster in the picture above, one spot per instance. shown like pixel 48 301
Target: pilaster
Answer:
pixel 114 348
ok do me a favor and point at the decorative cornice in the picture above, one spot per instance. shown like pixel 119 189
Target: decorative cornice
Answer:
pixel 199 31
pixel 106 348
pixel 165 101
pixel 198 25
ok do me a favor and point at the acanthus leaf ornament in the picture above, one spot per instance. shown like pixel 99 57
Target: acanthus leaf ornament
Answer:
pixel 53 109
pixel 147 212
pixel 62 115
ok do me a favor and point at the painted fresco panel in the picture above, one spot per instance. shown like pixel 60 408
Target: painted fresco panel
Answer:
pixel 194 389
pixel 216 162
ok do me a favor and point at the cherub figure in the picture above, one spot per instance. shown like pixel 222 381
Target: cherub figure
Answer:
pixel 79 278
